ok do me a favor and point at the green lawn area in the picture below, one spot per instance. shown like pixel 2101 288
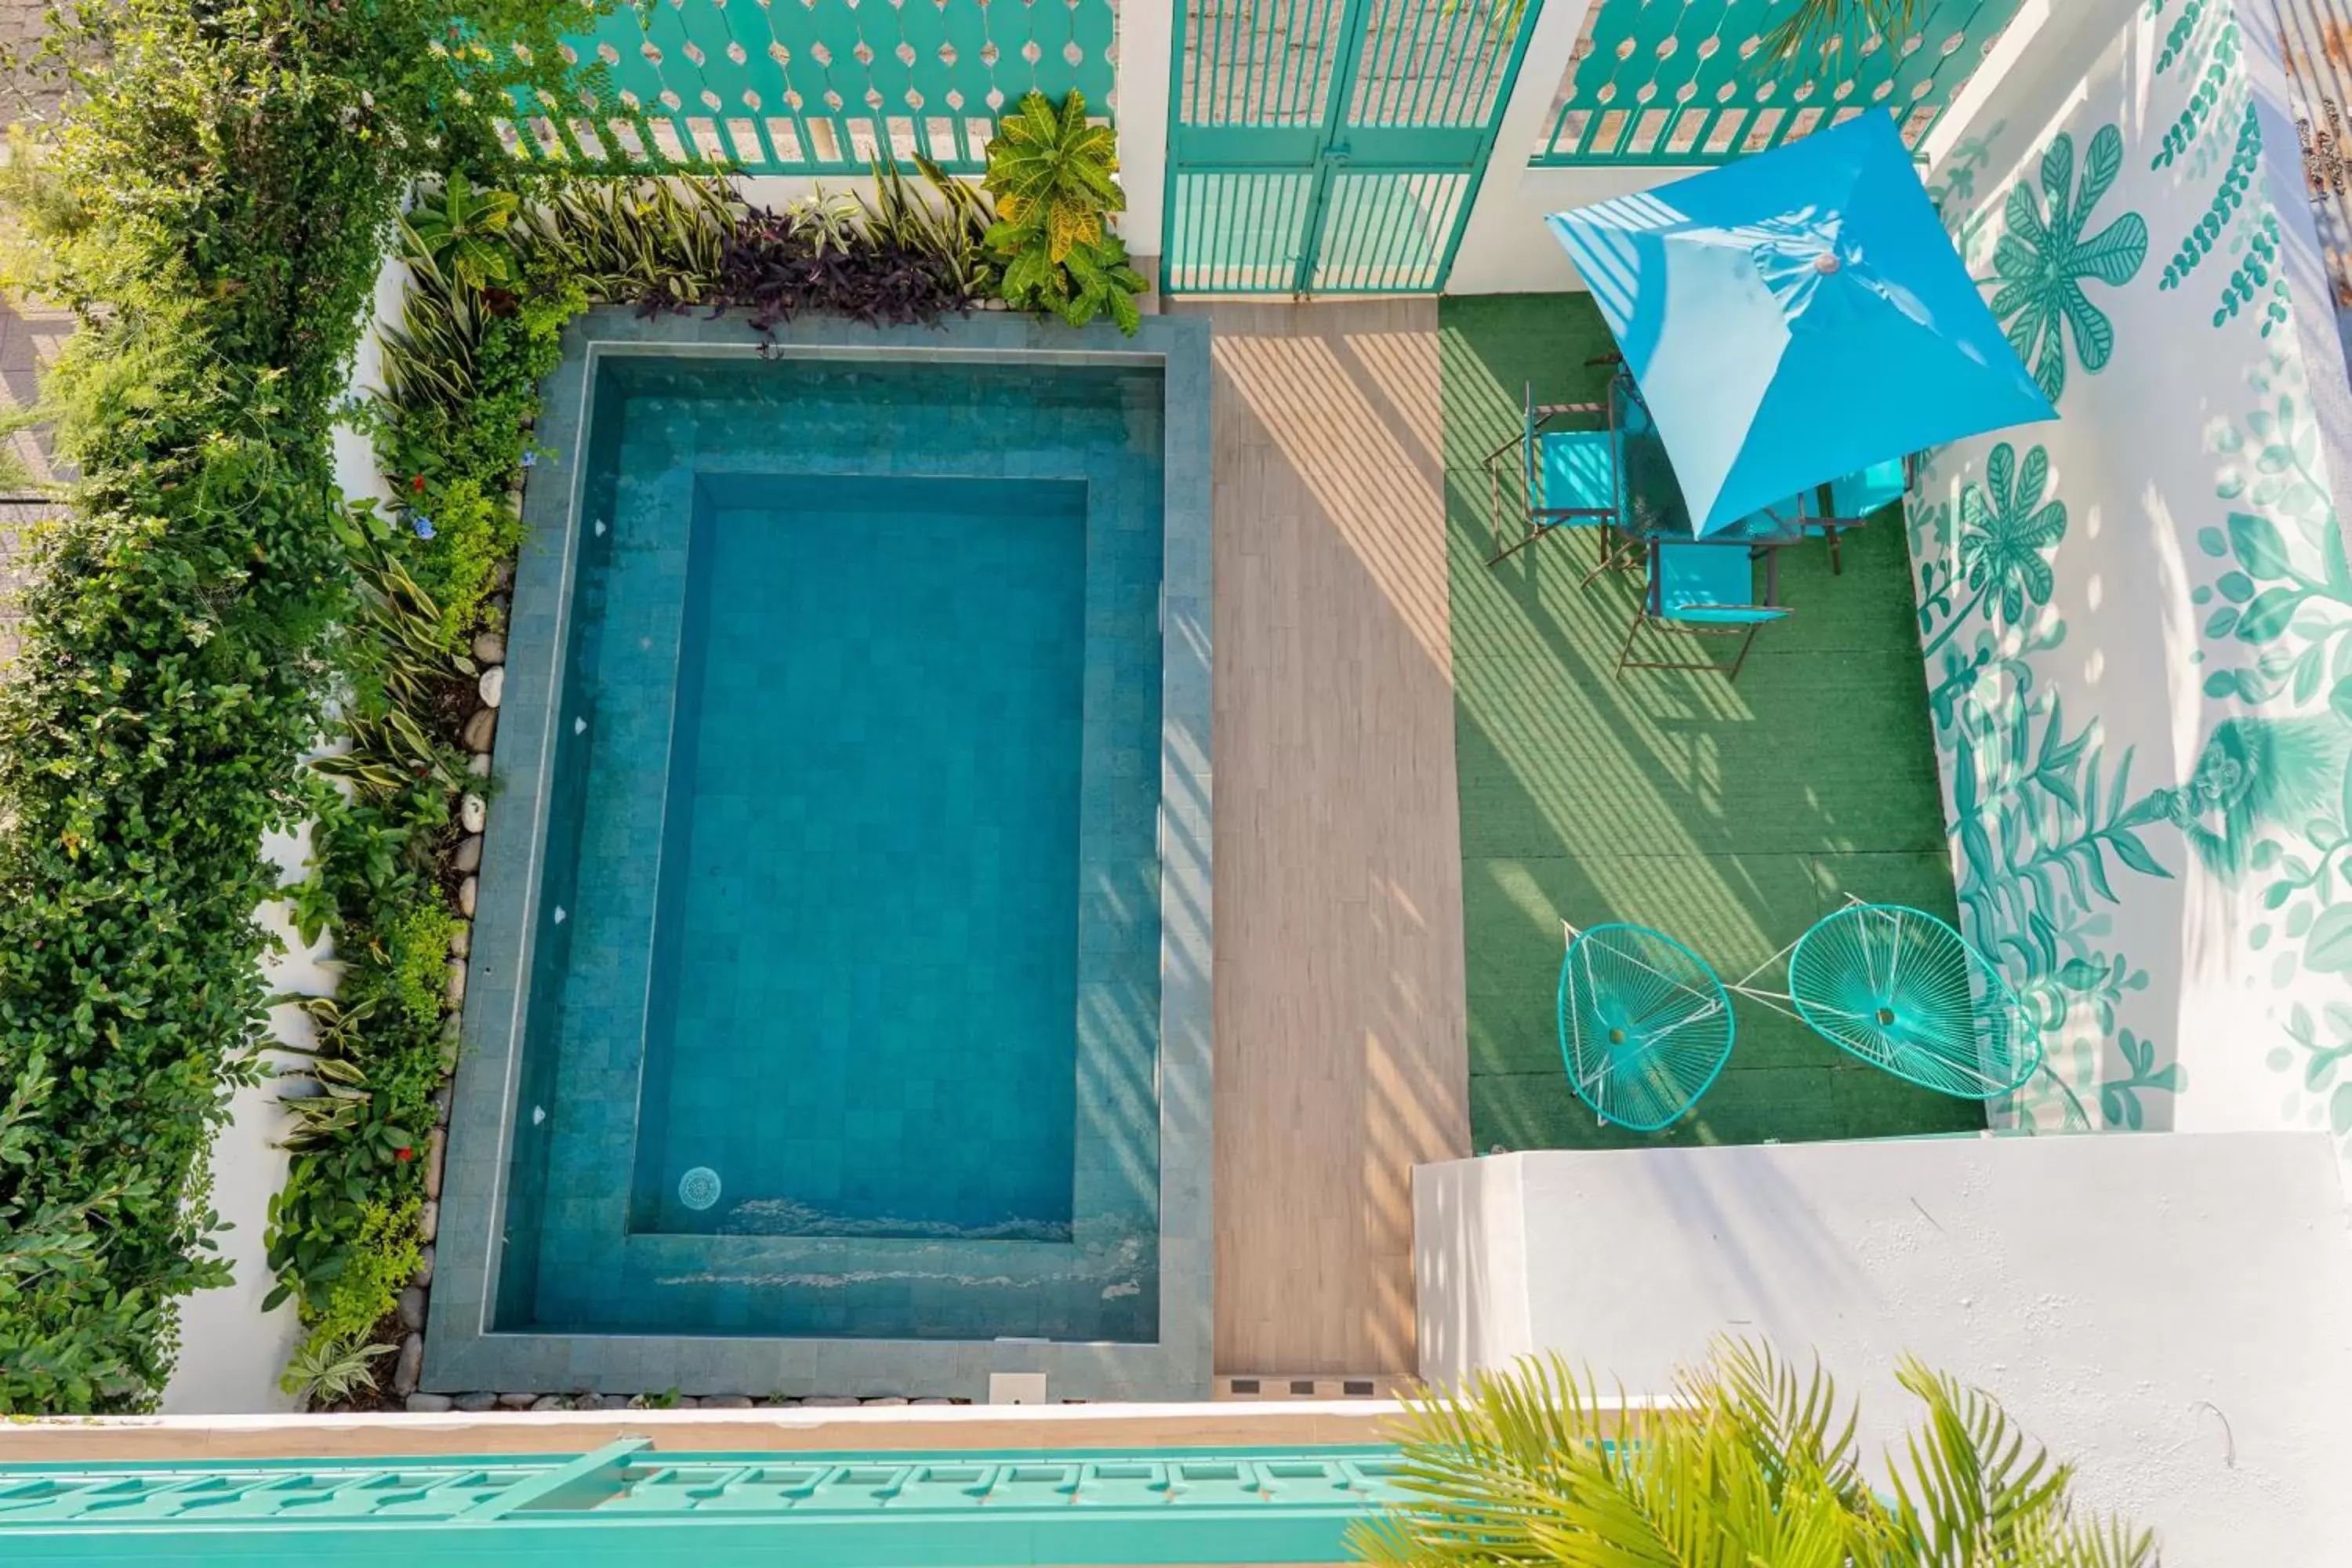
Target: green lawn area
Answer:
pixel 1729 816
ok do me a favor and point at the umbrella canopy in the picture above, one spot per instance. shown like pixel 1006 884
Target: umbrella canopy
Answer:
pixel 1797 316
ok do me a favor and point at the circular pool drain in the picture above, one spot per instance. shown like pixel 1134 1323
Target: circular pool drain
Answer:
pixel 699 1188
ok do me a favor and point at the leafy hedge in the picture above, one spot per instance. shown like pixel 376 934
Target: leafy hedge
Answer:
pixel 214 209
pixel 462 367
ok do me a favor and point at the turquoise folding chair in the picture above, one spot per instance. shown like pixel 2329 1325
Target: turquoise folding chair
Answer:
pixel 1568 470
pixel 1851 502
pixel 1698 588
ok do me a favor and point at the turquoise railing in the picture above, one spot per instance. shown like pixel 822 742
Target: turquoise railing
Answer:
pixel 1670 82
pixel 624 1503
pixel 813 86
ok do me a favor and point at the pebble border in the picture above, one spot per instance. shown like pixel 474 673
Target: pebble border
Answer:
pixel 490 653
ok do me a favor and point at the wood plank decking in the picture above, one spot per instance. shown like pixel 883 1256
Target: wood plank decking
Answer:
pixel 1340 1054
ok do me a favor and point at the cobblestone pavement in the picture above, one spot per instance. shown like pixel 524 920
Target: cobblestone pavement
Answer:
pixel 29 338
pixel 25 97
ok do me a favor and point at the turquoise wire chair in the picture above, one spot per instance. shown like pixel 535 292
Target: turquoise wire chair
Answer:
pixel 1644 1025
pixel 1900 989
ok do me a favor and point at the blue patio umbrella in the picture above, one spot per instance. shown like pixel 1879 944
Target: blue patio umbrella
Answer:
pixel 1797 316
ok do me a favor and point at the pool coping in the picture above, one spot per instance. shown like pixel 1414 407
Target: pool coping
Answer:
pixel 461 1353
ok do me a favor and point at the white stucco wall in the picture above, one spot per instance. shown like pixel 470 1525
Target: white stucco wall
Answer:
pixel 2166 1310
pixel 1506 249
pixel 1146 38
pixel 231 1351
pixel 2140 672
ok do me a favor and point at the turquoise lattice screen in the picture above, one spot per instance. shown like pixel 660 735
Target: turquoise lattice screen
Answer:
pixel 626 1505
pixel 1670 82
pixel 815 86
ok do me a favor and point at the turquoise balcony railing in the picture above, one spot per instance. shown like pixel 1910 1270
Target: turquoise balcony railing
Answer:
pixel 624 1503
pixel 1666 82
pixel 815 86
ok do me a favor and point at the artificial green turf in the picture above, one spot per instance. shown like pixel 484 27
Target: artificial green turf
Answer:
pixel 1729 816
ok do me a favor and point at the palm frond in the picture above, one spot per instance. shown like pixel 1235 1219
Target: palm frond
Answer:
pixel 1751 1462
pixel 1815 26
pixel 1978 1489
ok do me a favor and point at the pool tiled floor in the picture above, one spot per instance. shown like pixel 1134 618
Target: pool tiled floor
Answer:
pixel 854 992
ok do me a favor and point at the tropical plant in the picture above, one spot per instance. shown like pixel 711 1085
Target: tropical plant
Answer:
pixel 1748 1464
pixel 465 229
pixel 1094 280
pixel 902 257
pixel 1052 177
pixel 634 240
pixel 326 1370
pixel 1815 25
pixel 1052 174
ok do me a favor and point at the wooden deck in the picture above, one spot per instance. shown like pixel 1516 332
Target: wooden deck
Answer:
pixel 1340 1054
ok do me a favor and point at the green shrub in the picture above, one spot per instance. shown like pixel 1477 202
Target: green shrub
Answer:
pixel 384 1259
pixel 1051 173
pixel 462 373
pixel 416 955
pixel 213 208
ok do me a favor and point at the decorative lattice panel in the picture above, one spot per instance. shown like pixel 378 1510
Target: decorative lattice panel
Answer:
pixel 816 86
pixel 624 1481
pixel 1689 82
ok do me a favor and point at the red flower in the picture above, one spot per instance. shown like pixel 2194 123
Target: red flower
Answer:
pixel 416 483
pixel 404 1155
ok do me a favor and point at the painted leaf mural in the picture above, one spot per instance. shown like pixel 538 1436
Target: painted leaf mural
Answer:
pixel 2007 530
pixel 2045 257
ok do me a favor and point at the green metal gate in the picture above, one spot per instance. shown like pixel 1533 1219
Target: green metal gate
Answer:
pixel 1331 146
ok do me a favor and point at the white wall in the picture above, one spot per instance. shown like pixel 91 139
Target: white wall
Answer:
pixel 1506 247
pixel 231 1351
pixel 2168 1312
pixel 1146 39
pixel 2147 788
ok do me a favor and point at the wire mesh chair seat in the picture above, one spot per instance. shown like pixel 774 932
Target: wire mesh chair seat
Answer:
pixel 1645 1026
pixel 1903 991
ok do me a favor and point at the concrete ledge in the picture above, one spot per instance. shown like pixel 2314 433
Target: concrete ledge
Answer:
pixel 886 1429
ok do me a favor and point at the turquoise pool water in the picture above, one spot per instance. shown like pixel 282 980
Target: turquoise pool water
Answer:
pixel 867 925
pixel 842 1013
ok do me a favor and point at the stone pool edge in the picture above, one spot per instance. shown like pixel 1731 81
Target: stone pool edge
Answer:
pixel 460 1354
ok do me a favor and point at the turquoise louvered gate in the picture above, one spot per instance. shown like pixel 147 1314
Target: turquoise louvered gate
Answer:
pixel 1331 146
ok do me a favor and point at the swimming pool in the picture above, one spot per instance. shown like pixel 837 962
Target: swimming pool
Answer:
pixel 837 1006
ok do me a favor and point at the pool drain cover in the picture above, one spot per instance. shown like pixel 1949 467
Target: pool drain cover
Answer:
pixel 699 1188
